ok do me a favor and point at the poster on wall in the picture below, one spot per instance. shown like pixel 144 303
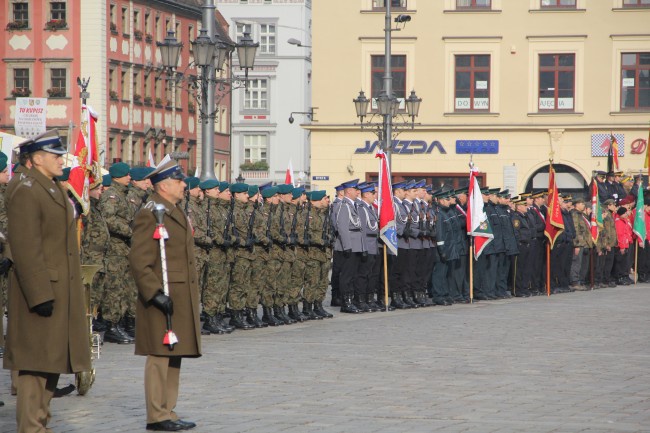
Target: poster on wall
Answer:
pixel 510 178
pixel 30 116
pixel 600 144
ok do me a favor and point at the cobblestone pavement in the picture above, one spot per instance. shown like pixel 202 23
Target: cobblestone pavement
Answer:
pixel 577 362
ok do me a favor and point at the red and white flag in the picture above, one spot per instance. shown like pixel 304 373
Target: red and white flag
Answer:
pixel 151 162
pixel 554 221
pixel 85 157
pixel 387 227
pixel 288 178
pixel 478 224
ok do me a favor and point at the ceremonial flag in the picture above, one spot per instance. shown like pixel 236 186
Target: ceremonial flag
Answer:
pixel 387 229
pixel 554 221
pixel 85 159
pixel 647 153
pixel 288 178
pixel 596 213
pixel 150 161
pixel 639 220
pixel 612 154
pixel 478 224
pixel 614 147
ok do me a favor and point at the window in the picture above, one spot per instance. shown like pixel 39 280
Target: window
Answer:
pixel 112 82
pixel 147 23
pixel 473 4
pixel 158 90
pixel 267 38
pixel 125 21
pixel 124 83
pixel 571 4
pixel 147 86
pixel 159 36
pixel 58 82
pixel 113 22
pixel 136 20
pixel 472 77
pixel 398 68
pixel 137 86
pixel 255 148
pixel 381 4
pixel 178 92
pixel 21 13
pixel 21 79
pixel 256 96
pixel 190 36
pixel 168 92
pixel 57 11
pixel 636 3
pixel 241 29
pixel 556 81
pixel 635 81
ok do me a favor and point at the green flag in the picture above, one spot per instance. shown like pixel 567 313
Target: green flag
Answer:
pixel 639 219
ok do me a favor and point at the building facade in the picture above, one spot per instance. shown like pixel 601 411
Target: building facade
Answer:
pixel 141 108
pixel 505 84
pixel 263 139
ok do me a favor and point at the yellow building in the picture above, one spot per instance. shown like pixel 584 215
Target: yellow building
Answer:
pixel 509 80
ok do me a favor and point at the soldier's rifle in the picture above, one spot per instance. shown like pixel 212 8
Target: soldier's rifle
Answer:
pixel 283 233
pixel 268 229
pixel 307 235
pixel 327 226
pixel 250 236
pixel 293 236
pixel 209 231
pixel 227 238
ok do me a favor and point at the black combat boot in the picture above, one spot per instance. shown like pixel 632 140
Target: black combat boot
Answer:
pixel 222 323
pixel 255 319
pixel 237 320
pixel 318 309
pixel 408 300
pixel 308 309
pixel 115 334
pixel 398 302
pixel 268 318
pixel 360 303
pixel 279 313
pixel 382 304
pixel 370 301
pixel 348 306
pixel 128 325
pixel 212 325
pixel 336 299
pixel 294 313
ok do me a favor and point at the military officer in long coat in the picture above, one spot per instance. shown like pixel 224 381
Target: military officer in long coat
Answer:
pixel 162 368
pixel 47 333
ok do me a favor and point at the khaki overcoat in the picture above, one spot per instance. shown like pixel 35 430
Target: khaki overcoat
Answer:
pixel 183 282
pixel 43 236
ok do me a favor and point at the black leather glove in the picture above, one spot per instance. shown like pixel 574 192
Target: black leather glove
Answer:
pixel 163 303
pixel 5 265
pixel 45 309
pixel 364 256
pixel 347 253
pixel 443 257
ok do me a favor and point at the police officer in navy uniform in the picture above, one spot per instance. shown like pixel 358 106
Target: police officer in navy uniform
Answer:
pixel 447 248
pixel 510 244
pixel 398 265
pixel 336 260
pixel 368 273
pixel 415 244
pixel 523 234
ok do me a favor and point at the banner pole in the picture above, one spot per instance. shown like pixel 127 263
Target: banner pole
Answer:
pixel 548 269
pixel 471 271
pixel 591 264
pixel 385 278
pixel 514 278
pixel 636 262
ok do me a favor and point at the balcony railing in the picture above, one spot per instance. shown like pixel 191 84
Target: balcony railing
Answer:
pixel 255 174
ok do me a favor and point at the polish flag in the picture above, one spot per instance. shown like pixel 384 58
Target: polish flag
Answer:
pixel 151 162
pixel 288 178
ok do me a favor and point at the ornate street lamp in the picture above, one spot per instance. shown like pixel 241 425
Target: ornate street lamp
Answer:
pixel 361 105
pixel 413 105
pixel 246 50
pixel 223 53
pixel 385 104
pixel 170 51
pixel 204 49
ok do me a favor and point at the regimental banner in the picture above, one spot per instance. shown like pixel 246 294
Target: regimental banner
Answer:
pixel 600 144
pixel 30 116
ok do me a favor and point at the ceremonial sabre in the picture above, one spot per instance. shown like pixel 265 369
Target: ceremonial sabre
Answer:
pixel 161 234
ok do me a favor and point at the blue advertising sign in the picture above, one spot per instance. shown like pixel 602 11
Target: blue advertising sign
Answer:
pixel 404 147
pixel 477 146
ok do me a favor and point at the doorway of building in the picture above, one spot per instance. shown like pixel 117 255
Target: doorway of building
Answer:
pixel 567 179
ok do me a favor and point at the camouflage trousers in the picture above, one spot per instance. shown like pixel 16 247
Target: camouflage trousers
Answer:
pixel 282 280
pixel 217 279
pixel 97 289
pixel 120 293
pixel 4 285
pixel 316 273
pixel 297 277
pixel 269 293
pixel 259 275
pixel 201 260
pixel 240 281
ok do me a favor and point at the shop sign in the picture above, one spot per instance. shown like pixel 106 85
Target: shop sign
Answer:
pixel 320 178
pixel 477 146
pixel 404 147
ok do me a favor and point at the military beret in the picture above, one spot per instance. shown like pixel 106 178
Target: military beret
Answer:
pixel 317 195
pixel 285 188
pixel 119 169
pixel 627 200
pixel 269 192
pixel 65 176
pixel 106 180
pixel 223 185
pixel 139 173
pixel 191 182
pixel 208 184
pixel 3 161
pixel 252 190
pixel 297 192
pixel 238 187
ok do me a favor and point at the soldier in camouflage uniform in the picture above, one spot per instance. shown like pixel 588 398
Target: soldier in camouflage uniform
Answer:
pixel 198 220
pixel 95 240
pixel 296 235
pixel 139 188
pixel 273 254
pixel 317 265
pixel 240 279
pixel 281 238
pixel 220 257
pixel 120 291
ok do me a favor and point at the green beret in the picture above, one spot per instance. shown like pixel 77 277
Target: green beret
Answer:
pixel 106 180
pixel 238 187
pixel 209 184
pixel 3 156
pixel 3 161
pixel 297 192
pixel 317 195
pixel 191 182
pixel 223 186
pixel 65 176
pixel 119 169
pixel 285 188
pixel 252 190
pixel 269 192
pixel 139 173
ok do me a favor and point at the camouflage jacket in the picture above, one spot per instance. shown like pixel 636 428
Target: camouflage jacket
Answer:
pixel 95 238
pixel 197 214
pixel 241 218
pixel 136 198
pixel 583 237
pixel 114 206
pixel 607 236
pixel 317 220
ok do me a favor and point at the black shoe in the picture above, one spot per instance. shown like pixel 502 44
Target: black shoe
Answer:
pixel 128 324
pixel 253 318
pixel 211 325
pixel 349 307
pixel 424 298
pixel 295 315
pixel 382 305
pixel 115 334
pixel 408 300
pixel 318 309
pixel 223 325
pixel 99 325
pixel 237 320
pixel 167 425
pixel 60 392
pixel 308 309
pixel 276 313
pixel 370 301
pixel 336 302
pixel 360 303
pixel 523 294
pixel 398 303
pixel 611 284
pixel 282 315
pixel 269 318
pixel 187 424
